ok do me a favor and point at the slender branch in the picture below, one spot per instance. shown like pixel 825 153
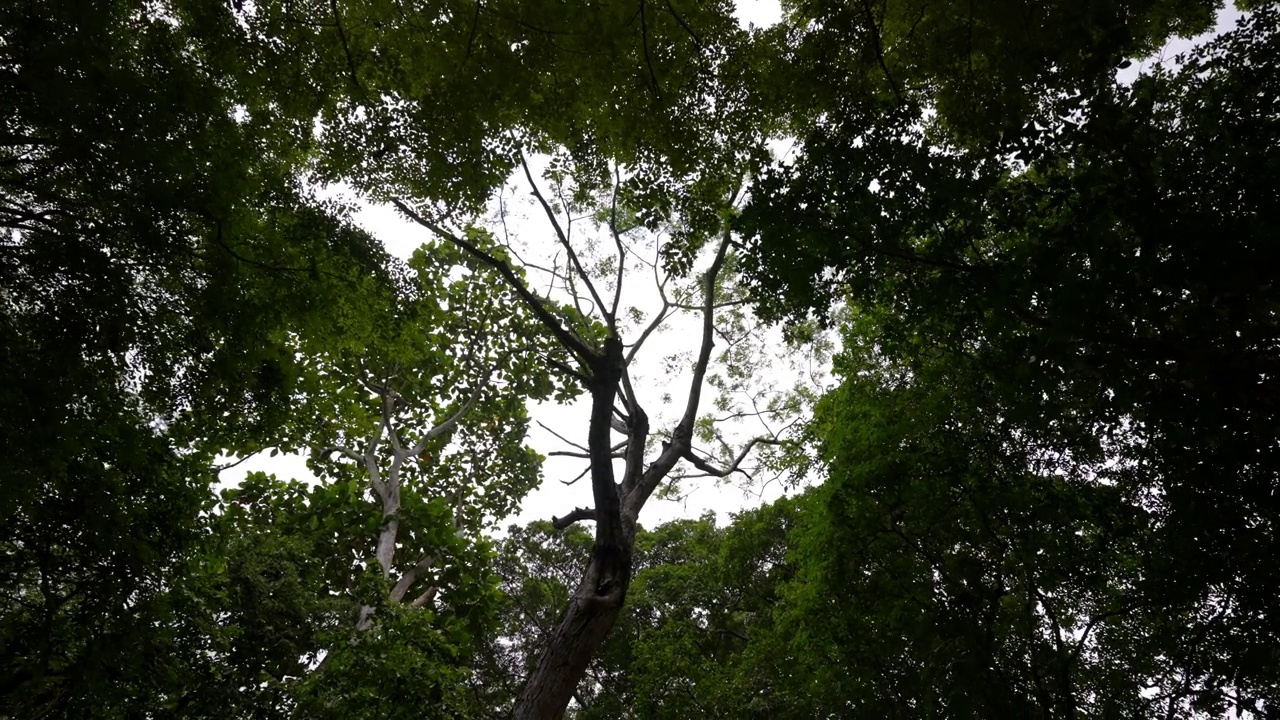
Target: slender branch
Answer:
pixel 708 331
pixel 228 466
pixel 570 341
pixel 475 24
pixel 644 42
pixel 717 306
pixel 564 242
pixel 324 452
pixel 638 489
pixel 370 459
pixel 571 453
pixel 1095 619
pixel 878 46
pixel 661 284
pixel 577 515
pixel 567 370
pixel 388 411
pixel 697 40
pixel 580 475
pixel 735 466
pixel 453 420
pixel 617 240
pixel 346 51
pixel 649 329
pixel 566 440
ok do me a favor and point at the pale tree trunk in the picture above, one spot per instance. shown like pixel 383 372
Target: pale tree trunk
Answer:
pixel 386 486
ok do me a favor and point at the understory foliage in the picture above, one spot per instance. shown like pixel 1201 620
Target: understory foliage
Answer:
pixel 1042 481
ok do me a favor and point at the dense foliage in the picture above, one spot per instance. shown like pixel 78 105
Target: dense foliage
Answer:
pixel 1043 483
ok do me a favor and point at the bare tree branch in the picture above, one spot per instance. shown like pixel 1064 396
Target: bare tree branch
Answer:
pixel 637 490
pixel 714 471
pixel 566 440
pixel 719 305
pixel 577 515
pixel 570 341
pixel 617 240
pixel 661 284
pixel 570 372
pixel 571 453
pixel 580 475
pixel 649 329
pixel 564 242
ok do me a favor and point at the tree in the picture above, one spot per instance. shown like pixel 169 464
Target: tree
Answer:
pixel 602 363
pixel 1096 288
pixel 185 227
pixel 372 583
pixel 158 254
pixel 699 604
pixel 584 87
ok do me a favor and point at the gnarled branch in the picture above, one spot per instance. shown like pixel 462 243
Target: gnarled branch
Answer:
pixel 577 515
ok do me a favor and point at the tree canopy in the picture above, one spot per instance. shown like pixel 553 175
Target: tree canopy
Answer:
pixel 1039 480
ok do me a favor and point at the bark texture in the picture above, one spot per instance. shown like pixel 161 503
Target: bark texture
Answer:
pixel 598 599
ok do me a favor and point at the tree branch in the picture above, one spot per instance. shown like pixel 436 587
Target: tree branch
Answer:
pixel 637 490
pixel 411 576
pixel 571 453
pixel 453 420
pixel 617 240
pixel 580 475
pixel 323 452
pixel 649 329
pixel 878 46
pixel 228 466
pixel 714 471
pixel 644 42
pixel 426 597
pixel 577 515
pixel 570 341
pixel 564 242
pixel 564 439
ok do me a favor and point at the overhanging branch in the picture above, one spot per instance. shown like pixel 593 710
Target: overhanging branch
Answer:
pixel 564 242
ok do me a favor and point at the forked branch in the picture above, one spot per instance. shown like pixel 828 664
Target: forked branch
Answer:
pixel 736 466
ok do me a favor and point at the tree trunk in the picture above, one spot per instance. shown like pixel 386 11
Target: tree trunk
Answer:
pixel 563 661
pixel 598 600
